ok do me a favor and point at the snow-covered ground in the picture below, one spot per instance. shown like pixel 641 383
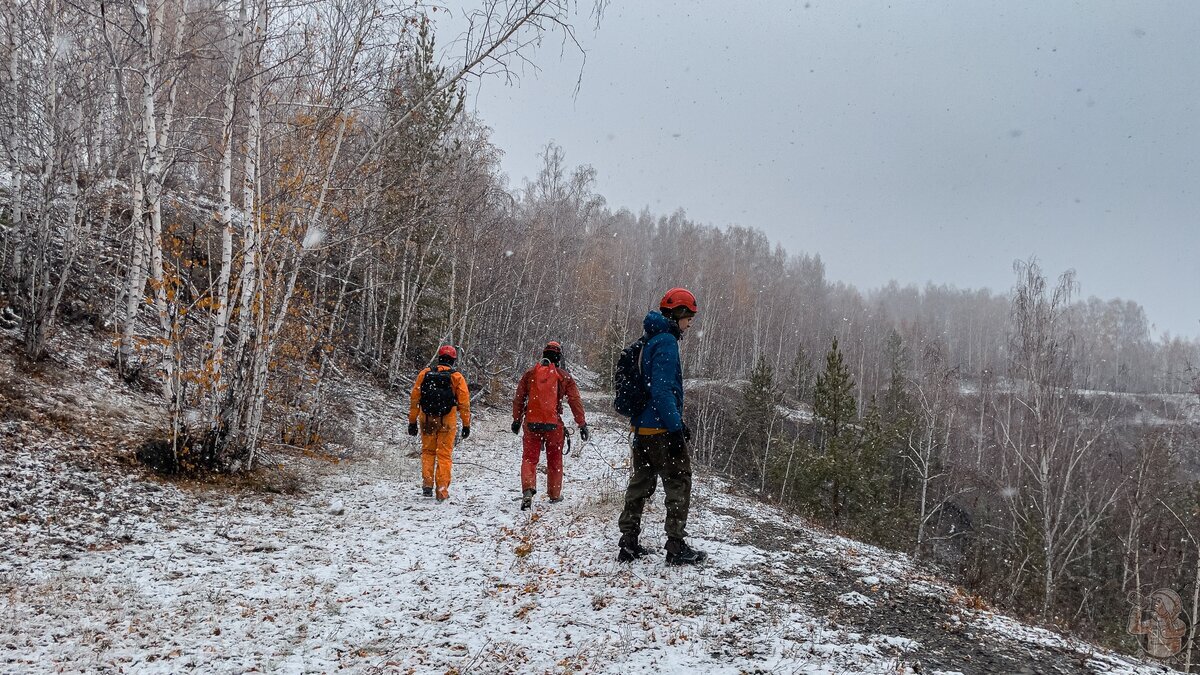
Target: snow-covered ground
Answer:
pixel 104 568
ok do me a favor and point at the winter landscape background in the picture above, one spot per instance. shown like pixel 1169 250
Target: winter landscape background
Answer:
pixel 232 232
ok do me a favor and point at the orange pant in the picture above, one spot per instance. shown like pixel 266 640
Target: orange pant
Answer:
pixel 437 445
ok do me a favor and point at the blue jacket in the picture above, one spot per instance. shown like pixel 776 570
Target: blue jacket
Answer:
pixel 663 373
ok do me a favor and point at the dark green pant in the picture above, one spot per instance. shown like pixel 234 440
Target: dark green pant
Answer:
pixel 654 456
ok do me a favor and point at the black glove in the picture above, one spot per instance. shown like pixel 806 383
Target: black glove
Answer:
pixel 687 433
pixel 583 433
pixel 677 438
pixel 412 428
pixel 466 432
pixel 516 426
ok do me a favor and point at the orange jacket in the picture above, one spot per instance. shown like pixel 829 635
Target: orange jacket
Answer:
pixel 527 403
pixel 461 394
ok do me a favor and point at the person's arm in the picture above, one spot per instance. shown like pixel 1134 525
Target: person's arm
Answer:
pixel 664 361
pixel 414 399
pixel 463 395
pixel 1136 625
pixel 574 400
pixel 521 397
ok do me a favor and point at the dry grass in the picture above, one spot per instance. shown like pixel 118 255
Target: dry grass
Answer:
pixel 74 395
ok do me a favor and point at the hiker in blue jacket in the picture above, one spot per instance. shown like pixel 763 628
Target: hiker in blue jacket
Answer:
pixel 660 435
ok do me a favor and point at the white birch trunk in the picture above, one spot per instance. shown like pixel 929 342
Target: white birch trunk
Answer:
pixel 17 202
pixel 136 279
pixel 247 277
pixel 235 399
pixel 150 168
pixel 37 279
pixel 155 139
pixel 221 321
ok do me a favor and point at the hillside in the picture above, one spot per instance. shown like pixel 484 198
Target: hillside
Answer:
pixel 106 568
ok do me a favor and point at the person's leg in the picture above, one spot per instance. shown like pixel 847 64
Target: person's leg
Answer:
pixel 531 452
pixel 445 449
pixel 676 472
pixel 554 463
pixel 428 456
pixel 677 482
pixel 643 479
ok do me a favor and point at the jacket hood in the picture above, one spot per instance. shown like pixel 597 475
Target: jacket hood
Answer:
pixel 656 323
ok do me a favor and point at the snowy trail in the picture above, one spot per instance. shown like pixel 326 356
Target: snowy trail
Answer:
pixel 363 574
pixel 399 582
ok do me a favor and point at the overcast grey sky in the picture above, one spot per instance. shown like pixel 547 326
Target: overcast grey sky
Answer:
pixel 916 141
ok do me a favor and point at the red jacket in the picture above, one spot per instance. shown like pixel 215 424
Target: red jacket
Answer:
pixel 533 406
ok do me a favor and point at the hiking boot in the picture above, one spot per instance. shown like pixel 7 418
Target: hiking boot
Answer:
pixel 427 491
pixel 527 499
pixel 555 500
pixel 631 550
pixel 679 553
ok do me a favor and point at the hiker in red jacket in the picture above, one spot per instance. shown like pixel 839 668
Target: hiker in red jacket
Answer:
pixel 539 402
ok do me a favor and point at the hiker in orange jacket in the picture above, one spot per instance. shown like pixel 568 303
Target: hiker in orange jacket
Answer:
pixel 539 402
pixel 436 394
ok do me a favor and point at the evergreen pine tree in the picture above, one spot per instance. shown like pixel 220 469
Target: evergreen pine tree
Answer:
pixel 833 403
pixel 757 409
pixel 833 400
pixel 897 420
pixel 422 150
pixel 895 397
pixel 800 380
pixel 872 505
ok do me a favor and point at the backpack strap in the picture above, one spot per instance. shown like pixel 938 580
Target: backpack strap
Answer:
pixel 641 375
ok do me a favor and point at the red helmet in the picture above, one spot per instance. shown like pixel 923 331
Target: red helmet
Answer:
pixel 679 297
pixel 448 350
pixel 552 346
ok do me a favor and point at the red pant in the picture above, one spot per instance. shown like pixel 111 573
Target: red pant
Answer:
pixel 533 443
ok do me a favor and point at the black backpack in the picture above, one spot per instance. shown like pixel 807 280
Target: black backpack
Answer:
pixel 632 394
pixel 437 392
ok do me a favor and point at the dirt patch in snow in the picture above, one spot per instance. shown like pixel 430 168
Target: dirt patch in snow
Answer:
pixel 930 624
